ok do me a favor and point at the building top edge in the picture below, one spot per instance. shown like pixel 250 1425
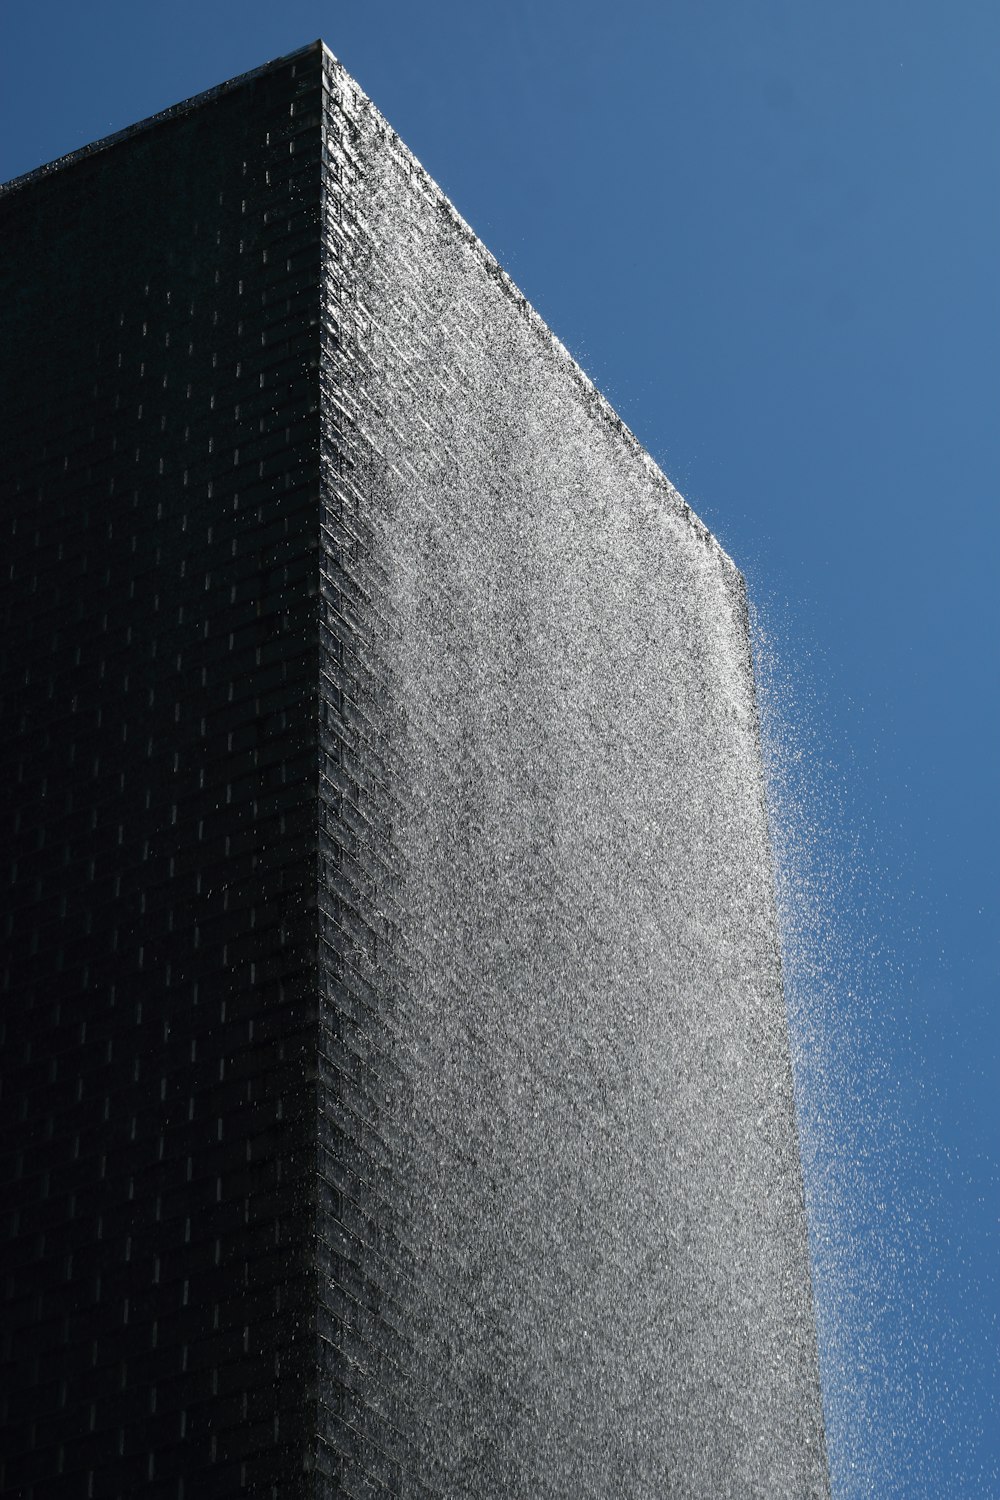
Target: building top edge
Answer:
pixel 492 266
pixel 542 330
pixel 173 111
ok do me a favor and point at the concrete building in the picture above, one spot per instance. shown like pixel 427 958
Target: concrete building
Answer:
pixel 396 1090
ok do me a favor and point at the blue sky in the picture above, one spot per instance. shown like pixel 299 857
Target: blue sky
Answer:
pixel 769 232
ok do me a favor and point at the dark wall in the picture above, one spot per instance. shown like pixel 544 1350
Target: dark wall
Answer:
pixel 158 502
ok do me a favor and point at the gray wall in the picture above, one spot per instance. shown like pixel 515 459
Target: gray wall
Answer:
pixel 563 1243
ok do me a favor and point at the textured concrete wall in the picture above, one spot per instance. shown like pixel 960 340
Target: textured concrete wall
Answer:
pixel 562 1227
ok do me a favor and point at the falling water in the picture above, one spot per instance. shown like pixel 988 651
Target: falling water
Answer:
pixel 563 1236
pixel 896 1288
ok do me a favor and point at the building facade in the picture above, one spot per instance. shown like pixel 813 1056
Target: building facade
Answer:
pixel 397 1097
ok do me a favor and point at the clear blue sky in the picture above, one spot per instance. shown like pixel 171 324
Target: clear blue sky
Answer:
pixel 769 232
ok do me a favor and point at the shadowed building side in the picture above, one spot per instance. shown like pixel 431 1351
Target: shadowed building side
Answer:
pixel 160 514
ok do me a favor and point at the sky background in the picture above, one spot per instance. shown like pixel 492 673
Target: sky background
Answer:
pixel 769 232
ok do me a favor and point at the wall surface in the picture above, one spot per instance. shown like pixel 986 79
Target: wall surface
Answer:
pixel 562 1220
pixel 158 666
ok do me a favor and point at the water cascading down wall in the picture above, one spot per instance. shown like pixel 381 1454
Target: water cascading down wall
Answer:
pixel 406 969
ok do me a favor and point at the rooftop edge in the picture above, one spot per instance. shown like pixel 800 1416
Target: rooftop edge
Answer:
pixel 184 106
pixel 490 264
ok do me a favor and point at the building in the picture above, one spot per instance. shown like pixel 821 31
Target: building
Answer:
pixel 397 1096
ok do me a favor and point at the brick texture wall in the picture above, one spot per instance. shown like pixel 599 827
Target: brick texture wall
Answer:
pixel 160 492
